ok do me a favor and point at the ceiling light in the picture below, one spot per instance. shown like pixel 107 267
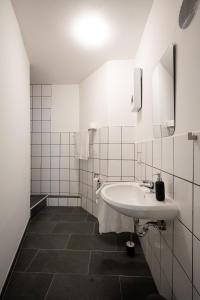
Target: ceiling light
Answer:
pixel 90 30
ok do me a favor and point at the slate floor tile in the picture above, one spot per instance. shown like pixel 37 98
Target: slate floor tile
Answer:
pixel 27 286
pixel 93 242
pixel 69 218
pixel 118 263
pixel 60 261
pixel 74 227
pixel 80 287
pixel 79 211
pixel 41 227
pixel 45 241
pixel 137 288
pixel 24 259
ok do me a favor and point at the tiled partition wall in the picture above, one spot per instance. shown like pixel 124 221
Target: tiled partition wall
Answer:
pixel 54 169
pixel 111 156
pixel 174 255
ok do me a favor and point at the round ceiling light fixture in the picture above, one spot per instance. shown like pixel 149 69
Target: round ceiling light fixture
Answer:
pixel 90 30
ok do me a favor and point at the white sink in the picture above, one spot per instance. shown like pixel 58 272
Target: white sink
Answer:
pixel 134 201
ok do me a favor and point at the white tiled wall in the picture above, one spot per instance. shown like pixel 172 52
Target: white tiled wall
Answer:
pixel 54 169
pixel 111 156
pixel 175 258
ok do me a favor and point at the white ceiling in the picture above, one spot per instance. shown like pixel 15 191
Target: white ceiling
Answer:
pixel 55 57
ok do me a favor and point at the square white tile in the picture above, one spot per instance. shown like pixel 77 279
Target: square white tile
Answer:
pixel 74 187
pixel 45 174
pixel 37 90
pixel 128 168
pixel 149 153
pixel 46 102
pixel 182 287
pixel 55 150
pixel 65 138
pixel 63 202
pixel 46 162
pixel 114 168
pixel 74 163
pixel 114 151
pixel 64 187
pixel 46 138
pixel 74 175
pixel 183 197
pixel 36 138
pixel 183 247
pixel 36 126
pixel 148 173
pixel 37 102
pixel 128 134
pixel 36 162
pixel 54 174
pixel 46 90
pixel 55 162
pixel 46 150
pixel 196 263
pixel 35 174
pixel 36 150
pixel 168 154
pixel 55 138
pixel 64 174
pixel 103 167
pixel 71 150
pixel 103 151
pixel 54 187
pixel 35 187
pixel 115 135
pixel 45 187
pixel 53 202
pixel 128 151
pixel 46 126
pixel 46 114
pixel 64 150
pixel 64 162
pixel 197 211
pixel 157 146
pixel 183 157
pixel 37 114
pixel 96 166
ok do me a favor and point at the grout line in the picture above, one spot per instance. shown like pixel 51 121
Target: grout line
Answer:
pixel 120 287
pixel 30 263
pixel 89 262
pixel 51 283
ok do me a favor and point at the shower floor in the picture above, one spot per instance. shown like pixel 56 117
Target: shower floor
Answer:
pixel 64 257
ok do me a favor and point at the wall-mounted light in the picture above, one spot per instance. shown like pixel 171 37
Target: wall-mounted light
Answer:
pixel 90 30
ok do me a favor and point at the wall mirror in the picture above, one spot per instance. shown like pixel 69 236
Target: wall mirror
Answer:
pixel 164 94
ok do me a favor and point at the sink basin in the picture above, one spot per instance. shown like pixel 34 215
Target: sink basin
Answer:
pixel 134 201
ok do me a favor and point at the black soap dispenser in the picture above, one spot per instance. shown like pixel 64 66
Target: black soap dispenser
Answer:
pixel 160 188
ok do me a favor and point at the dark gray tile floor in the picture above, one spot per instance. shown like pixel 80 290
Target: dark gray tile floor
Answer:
pixel 64 258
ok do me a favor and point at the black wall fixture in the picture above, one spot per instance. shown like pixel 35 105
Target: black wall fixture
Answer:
pixel 187 12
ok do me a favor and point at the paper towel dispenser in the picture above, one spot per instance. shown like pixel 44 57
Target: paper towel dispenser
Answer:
pixel 136 100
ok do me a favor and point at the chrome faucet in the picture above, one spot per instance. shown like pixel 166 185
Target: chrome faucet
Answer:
pixel 148 184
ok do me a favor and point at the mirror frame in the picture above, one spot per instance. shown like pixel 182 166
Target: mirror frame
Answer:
pixel 160 132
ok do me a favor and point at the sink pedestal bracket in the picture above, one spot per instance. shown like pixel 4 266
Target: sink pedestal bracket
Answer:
pixel 141 230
